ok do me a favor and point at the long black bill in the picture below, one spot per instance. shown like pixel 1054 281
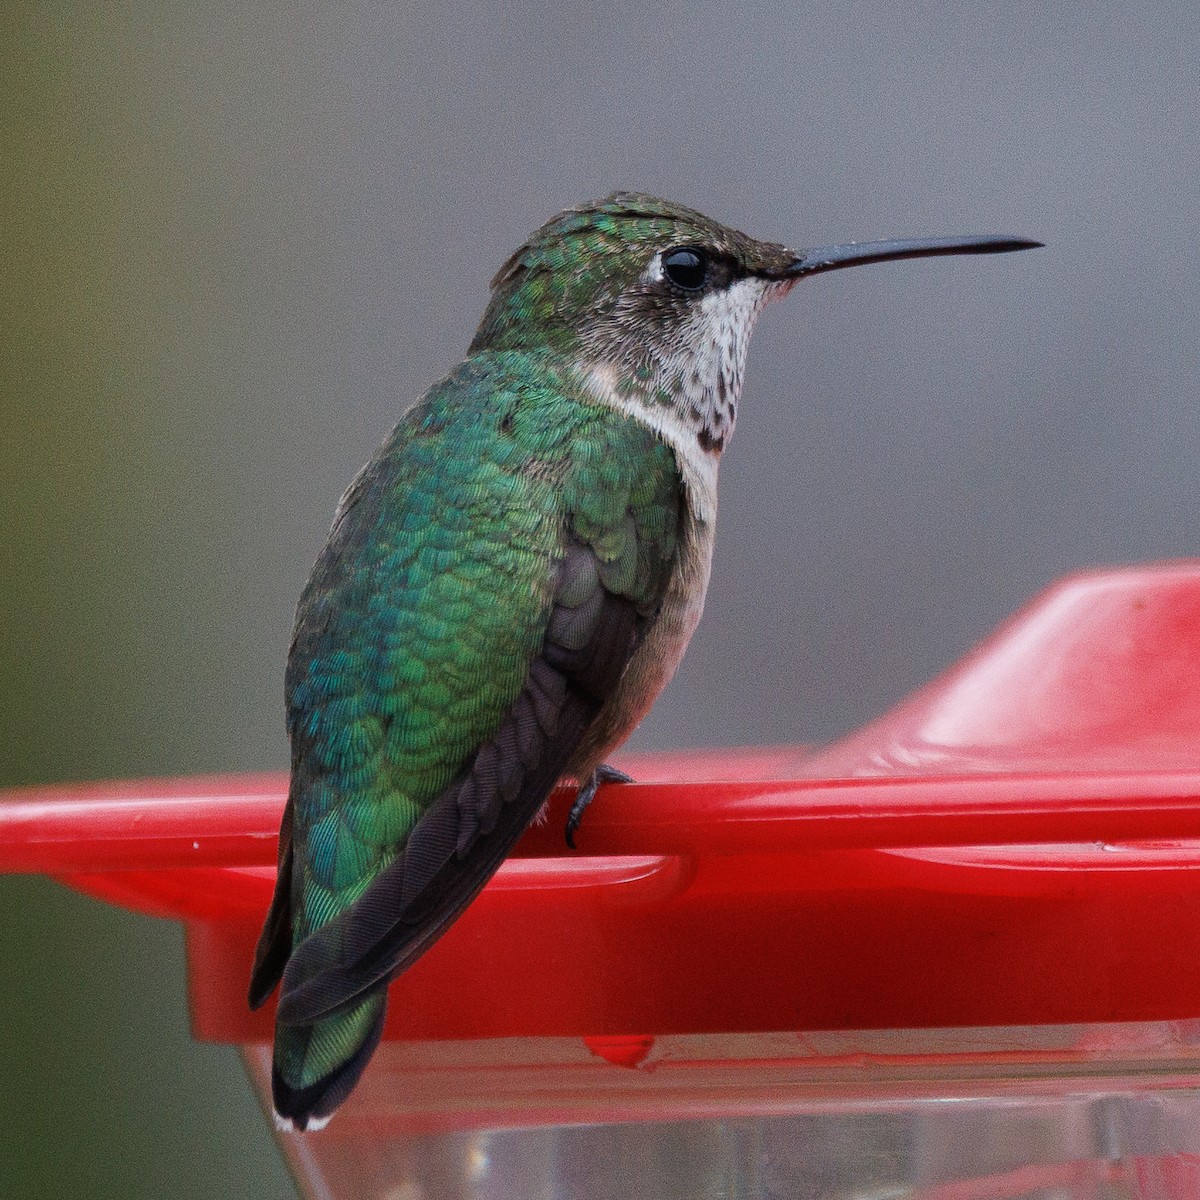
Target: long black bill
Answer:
pixel 856 254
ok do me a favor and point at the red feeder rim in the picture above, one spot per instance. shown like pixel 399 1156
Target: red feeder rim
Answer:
pixel 1015 844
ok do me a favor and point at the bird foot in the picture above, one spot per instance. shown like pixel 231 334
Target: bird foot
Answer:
pixel 587 791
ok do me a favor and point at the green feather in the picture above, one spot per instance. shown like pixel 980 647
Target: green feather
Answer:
pixel 416 631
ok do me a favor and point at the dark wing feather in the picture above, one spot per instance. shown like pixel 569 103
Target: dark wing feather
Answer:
pixel 461 840
pixel 275 941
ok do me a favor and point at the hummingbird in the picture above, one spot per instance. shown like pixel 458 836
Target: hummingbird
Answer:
pixel 507 587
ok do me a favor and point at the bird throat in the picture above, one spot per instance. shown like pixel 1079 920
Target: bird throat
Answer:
pixel 687 387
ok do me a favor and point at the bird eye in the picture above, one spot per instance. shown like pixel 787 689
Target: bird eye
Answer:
pixel 686 267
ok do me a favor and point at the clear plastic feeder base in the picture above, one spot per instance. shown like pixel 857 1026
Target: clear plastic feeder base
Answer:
pixel 1052 1113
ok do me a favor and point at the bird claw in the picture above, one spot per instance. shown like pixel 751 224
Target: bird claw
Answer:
pixel 587 791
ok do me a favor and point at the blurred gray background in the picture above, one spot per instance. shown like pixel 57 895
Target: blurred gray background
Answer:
pixel 238 243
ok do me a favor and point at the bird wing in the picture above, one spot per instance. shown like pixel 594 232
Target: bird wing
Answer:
pixel 487 581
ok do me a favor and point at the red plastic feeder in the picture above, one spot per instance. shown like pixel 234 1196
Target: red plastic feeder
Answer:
pixel 954 956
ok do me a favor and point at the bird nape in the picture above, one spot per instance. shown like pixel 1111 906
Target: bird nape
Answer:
pixel 508 585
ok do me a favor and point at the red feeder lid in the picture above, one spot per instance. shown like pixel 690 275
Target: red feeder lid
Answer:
pixel 1016 844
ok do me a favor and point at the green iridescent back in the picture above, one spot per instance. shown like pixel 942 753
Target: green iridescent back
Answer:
pixel 423 615
pixel 415 633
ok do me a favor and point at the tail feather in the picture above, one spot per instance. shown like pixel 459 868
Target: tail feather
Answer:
pixel 316 1066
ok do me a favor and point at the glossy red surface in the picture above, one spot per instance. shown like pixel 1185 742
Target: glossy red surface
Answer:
pixel 1016 844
